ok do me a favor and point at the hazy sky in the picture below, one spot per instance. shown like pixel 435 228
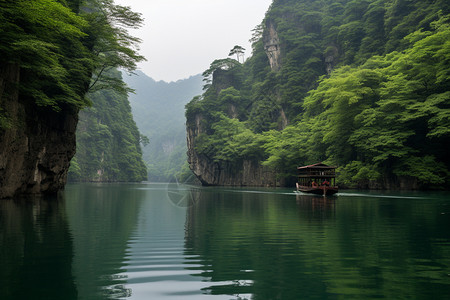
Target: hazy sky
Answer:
pixel 182 37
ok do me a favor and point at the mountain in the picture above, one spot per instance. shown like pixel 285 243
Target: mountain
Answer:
pixel 363 85
pixel 158 109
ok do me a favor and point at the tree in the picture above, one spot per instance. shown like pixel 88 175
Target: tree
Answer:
pixel 238 51
pixel 60 47
pixel 218 64
pixel 108 140
pixel 44 39
pixel 112 45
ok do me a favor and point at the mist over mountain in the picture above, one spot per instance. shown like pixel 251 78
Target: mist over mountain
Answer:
pixel 158 110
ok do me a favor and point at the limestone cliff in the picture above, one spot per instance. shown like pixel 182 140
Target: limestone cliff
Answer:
pixel 242 172
pixel 272 46
pixel 36 143
pixel 49 53
pixel 268 91
pixel 209 172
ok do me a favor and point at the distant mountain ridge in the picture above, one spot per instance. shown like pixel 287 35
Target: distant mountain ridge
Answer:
pixel 158 110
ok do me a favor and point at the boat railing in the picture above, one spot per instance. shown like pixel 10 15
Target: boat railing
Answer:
pixel 317 173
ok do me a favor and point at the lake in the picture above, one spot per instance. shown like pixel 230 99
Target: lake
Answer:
pixel 170 241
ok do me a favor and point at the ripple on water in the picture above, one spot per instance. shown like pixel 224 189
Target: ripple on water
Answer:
pixel 159 267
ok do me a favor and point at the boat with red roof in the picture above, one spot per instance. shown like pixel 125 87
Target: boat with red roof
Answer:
pixel 317 179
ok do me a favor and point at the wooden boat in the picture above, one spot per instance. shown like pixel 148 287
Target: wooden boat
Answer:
pixel 317 179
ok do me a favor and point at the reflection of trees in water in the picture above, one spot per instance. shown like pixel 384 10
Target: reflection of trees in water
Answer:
pixel 72 247
pixel 102 218
pixel 36 250
pixel 285 246
pixel 251 245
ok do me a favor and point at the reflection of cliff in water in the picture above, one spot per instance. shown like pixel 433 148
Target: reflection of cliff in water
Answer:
pixel 273 246
pixel 252 244
pixel 36 250
pixel 102 218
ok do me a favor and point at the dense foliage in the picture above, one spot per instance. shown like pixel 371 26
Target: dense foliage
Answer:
pixel 45 38
pixel 60 45
pixel 363 85
pixel 108 141
pixel 65 50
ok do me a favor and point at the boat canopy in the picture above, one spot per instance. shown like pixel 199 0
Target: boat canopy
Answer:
pixel 318 170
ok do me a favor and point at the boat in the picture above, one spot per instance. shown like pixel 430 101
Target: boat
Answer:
pixel 318 179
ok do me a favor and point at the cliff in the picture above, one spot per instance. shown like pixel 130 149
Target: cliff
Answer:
pixel 51 54
pixel 108 140
pixel 246 172
pixel 354 84
pixel 37 143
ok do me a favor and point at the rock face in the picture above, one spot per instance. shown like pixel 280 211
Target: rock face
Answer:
pixel 36 143
pixel 272 46
pixel 244 172
pixel 209 172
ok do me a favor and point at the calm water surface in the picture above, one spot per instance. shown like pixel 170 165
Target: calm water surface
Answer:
pixel 164 241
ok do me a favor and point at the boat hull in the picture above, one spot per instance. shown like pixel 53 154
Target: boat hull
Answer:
pixel 320 190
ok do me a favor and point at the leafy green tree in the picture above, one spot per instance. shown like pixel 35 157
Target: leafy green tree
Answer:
pixel 390 114
pixel 45 39
pixel 110 42
pixel 59 45
pixel 230 141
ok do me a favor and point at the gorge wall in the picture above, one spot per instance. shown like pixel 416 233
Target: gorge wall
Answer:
pixel 52 54
pixel 242 172
pixel 36 143
pixel 349 83
pixel 108 140
pixel 246 172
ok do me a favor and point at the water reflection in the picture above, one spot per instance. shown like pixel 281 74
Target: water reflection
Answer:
pixel 156 241
pixel 36 250
pixel 157 265
pixel 271 245
pixel 316 207
pixel 250 245
pixel 102 218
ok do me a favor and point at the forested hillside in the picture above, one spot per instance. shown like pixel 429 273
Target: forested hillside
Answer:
pixel 158 109
pixel 51 54
pixel 108 140
pixel 363 85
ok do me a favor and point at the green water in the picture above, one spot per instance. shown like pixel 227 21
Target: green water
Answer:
pixel 160 241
